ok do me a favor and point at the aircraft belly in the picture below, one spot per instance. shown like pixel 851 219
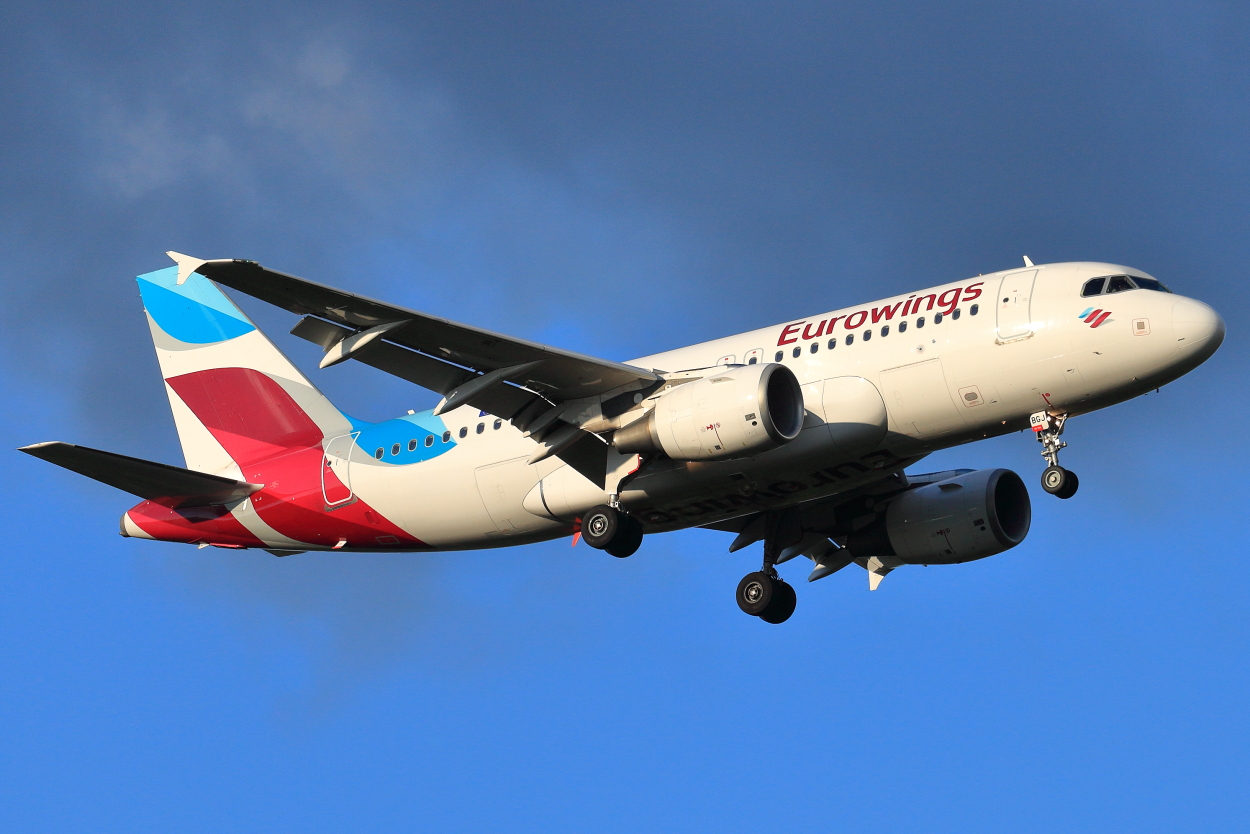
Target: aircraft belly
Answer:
pixel 808 468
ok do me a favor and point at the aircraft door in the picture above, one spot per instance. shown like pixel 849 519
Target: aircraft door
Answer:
pixel 336 476
pixel 1015 320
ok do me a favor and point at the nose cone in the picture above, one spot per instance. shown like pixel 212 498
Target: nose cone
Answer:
pixel 1199 329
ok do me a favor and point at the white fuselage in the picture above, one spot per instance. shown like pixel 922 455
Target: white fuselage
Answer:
pixel 1006 345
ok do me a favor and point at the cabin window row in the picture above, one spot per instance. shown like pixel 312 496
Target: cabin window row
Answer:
pixel 865 335
pixel 380 452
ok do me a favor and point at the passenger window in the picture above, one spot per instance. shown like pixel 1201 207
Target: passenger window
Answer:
pixel 902 327
pixel 379 453
pixel 429 440
pixel 972 311
pixel 920 322
pixel 395 450
pixel 797 351
pixel 955 314
pixel 1093 287
pixel 937 319
pixel 850 338
pixel 754 356
pixel 481 427
pixel 780 355
pixel 464 431
pixel 867 335
pixel 885 331
pixel 833 343
pixel 815 346
pixel 1118 283
pixel 412 445
pixel 497 424
pixel 446 436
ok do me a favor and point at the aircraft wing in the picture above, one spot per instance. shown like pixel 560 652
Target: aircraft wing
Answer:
pixel 170 485
pixel 550 393
pixel 560 374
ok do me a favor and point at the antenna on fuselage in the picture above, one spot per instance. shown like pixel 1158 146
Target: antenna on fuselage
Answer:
pixel 1027 262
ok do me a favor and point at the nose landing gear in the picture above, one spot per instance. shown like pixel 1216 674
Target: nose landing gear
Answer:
pixel 1056 480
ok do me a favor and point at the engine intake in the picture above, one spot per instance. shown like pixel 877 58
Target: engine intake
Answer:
pixel 735 413
pixel 957 520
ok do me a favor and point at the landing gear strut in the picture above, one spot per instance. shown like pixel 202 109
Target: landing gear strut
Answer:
pixel 763 593
pixel 1056 480
pixel 612 530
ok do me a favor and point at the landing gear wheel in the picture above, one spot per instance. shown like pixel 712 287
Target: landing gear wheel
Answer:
pixel 1069 488
pixel 782 604
pixel 628 538
pixel 755 593
pixel 600 526
pixel 607 528
pixel 1056 479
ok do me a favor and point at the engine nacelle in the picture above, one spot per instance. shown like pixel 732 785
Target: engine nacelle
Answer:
pixel 734 413
pixel 957 520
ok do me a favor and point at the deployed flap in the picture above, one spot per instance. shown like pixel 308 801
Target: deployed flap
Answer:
pixel 562 374
pixel 170 485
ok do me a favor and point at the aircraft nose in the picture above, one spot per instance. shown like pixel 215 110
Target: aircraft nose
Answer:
pixel 1198 328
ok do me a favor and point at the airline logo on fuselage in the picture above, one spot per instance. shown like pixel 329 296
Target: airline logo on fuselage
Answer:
pixel 1094 317
pixel 944 303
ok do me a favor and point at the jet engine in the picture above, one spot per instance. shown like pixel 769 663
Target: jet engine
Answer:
pixel 957 520
pixel 734 413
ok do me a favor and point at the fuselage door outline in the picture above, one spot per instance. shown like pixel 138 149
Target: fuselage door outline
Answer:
pixel 337 461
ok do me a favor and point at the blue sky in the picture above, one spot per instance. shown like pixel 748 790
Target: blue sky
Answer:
pixel 620 179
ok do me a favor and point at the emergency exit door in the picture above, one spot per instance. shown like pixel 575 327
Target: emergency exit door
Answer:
pixel 1015 319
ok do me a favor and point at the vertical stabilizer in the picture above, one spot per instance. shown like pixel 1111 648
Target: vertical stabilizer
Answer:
pixel 236 398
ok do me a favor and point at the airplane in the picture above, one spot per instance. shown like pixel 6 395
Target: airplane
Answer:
pixel 797 435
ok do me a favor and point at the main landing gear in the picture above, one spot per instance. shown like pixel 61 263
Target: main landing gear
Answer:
pixel 612 530
pixel 1056 480
pixel 763 593
pixel 767 597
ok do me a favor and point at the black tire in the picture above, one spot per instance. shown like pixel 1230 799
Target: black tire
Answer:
pixel 1070 487
pixel 782 605
pixel 628 538
pixel 1055 479
pixel 600 526
pixel 755 593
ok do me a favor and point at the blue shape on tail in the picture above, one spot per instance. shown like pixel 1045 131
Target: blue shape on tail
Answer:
pixel 195 312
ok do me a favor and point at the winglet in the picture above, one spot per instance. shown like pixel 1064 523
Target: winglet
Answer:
pixel 186 265
pixel 1027 262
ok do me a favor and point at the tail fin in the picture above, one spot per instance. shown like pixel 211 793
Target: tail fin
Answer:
pixel 236 398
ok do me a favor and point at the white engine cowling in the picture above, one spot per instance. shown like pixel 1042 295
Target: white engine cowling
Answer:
pixel 735 413
pixel 957 520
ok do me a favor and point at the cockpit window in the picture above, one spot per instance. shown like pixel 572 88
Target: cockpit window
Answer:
pixel 1119 283
pixel 1093 287
pixel 1149 284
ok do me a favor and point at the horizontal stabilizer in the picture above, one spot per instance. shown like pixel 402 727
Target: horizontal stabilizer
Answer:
pixel 170 485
